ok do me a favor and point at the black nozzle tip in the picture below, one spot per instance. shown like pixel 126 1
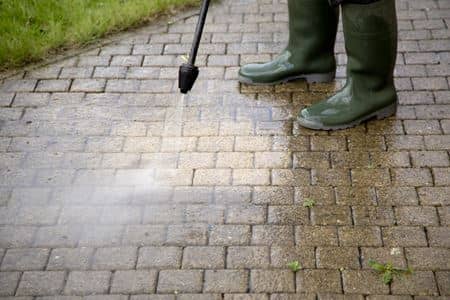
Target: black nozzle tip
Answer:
pixel 186 77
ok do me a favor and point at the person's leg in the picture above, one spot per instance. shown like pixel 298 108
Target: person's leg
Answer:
pixel 310 51
pixel 370 32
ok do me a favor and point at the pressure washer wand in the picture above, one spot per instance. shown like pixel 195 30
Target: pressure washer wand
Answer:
pixel 188 72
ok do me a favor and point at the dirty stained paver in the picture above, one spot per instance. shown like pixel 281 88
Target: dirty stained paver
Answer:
pixel 114 186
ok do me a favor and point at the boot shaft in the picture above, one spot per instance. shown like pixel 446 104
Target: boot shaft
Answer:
pixel 371 43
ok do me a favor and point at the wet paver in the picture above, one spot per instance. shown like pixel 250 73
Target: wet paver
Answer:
pixel 114 186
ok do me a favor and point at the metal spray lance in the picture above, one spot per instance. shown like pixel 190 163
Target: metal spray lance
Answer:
pixel 188 72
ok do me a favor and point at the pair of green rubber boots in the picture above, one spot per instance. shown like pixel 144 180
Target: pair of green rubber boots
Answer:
pixel 370 32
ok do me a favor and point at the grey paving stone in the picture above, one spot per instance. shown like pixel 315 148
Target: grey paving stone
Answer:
pixel 87 282
pixel 159 257
pixel 179 281
pixel 41 283
pixel 70 259
pixel 114 258
pixel 226 281
pixel 25 259
pixel 134 282
pixel 8 283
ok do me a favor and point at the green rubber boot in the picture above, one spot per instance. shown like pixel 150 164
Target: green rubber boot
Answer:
pixel 310 51
pixel 370 32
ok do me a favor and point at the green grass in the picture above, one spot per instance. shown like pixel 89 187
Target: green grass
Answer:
pixel 30 30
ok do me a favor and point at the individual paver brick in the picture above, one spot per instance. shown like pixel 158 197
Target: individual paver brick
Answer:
pixel 393 255
pixel 370 177
pixel 444 215
pixel 159 257
pixel 134 282
pixel 314 160
pixel 316 235
pixel 187 281
pixel 251 177
pixel 253 143
pixel 57 236
pixel 373 215
pixel 271 281
pixel 38 215
pixel 441 176
pixel 8 283
pixel 16 236
pixel 215 144
pixel 114 258
pixel 273 195
pixel 144 235
pixel 318 281
pixel 272 235
pixel 273 160
pixel 237 160
pixel 288 215
pixel 196 160
pixel 397 196
pixel 439 236
pixel 206 257
pixel 212 177
pixel 229 235
pixel 412 177
pixel 363 282
pixel 404 236
pixel 70 259
pixel 53 85
pixel 331 215
pixel 359 236
pixel 184 235
pixel 443 281
pixel 434 196
pixel 246 215
pixel 87 282
pixel 226 281
pixel 247 257
pixel 204 296
pixel 88 85
pixel 101 236
pixel 430 159
pixel 337 257
pixel 290 177
pixel 329 296
pixel 330 177
pixel 418 283
pixel 428 258
pixel 416 215
pixel 25 259
pixel 41 283
pixel 281 256
pixel 247 296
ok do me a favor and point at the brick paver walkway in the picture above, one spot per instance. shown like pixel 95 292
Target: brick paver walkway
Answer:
pixel 113 184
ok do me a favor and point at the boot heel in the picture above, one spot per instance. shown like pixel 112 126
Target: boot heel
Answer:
pixel 320 78
pixel 386 112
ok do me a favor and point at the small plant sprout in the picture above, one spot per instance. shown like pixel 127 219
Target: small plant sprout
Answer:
pixel 309 202
pixel 294 266
pixel 388 271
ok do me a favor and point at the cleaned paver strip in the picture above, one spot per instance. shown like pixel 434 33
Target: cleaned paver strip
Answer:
pixel 114 186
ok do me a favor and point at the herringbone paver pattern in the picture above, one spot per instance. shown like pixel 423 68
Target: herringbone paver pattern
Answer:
pixel 114 186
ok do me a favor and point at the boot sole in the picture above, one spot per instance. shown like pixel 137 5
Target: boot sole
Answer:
pixel 381 114
pixel 310 78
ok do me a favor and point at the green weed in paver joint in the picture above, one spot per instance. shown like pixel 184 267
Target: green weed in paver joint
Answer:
pixel 294 266
pixel 309 202
pixel 388 271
